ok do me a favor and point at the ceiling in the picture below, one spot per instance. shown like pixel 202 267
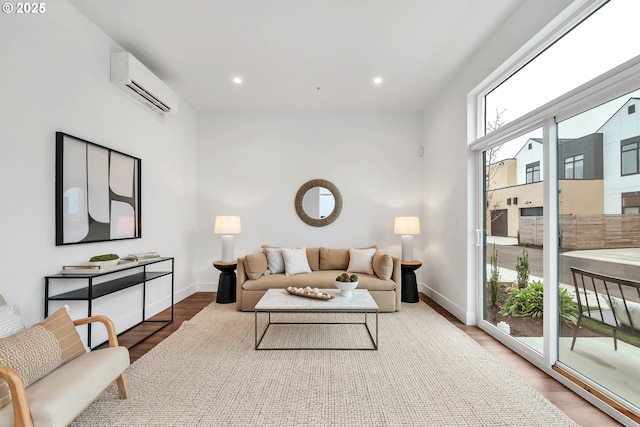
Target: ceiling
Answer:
pixel 300 55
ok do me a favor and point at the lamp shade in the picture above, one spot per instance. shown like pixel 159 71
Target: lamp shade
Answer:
pixel 227 225
pixel 407 225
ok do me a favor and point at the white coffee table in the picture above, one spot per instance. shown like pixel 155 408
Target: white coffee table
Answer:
pixel 280 301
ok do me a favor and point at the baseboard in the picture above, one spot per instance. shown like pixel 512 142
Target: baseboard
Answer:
pixel 206 287
pixel 186 292
pixel 444 302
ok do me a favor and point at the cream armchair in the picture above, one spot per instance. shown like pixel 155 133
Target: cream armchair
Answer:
pixel 62 394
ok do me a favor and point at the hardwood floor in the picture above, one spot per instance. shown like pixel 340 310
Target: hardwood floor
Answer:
pixel 578 409
pixel 183 310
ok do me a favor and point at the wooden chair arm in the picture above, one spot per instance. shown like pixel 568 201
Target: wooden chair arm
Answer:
pixel 111 329
pixel 21 412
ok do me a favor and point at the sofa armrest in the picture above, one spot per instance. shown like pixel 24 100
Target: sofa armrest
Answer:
pixel 241 277
pixel 21 413
pixel 123 387
pixel 111 329
pixel 396 276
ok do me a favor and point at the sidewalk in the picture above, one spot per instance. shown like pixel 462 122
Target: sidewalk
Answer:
pixel 503 241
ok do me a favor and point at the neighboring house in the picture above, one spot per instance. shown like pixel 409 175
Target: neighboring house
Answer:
pixel 598 174
pixel 529 160
pixel 621 150
pixel 516 188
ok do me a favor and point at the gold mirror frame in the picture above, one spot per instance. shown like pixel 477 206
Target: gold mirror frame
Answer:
pixel 314 222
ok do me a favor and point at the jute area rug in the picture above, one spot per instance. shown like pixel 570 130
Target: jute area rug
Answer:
pixel 425 373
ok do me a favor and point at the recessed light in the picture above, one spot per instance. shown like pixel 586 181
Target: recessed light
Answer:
pixel 377 80
pixel 237 80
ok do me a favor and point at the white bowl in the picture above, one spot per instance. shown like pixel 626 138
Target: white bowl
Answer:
pixel 346 288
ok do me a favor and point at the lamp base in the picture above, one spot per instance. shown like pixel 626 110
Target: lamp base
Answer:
pixel 407 247
pixel 227 248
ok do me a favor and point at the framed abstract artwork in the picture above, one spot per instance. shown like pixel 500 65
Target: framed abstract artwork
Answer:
pixel 97 192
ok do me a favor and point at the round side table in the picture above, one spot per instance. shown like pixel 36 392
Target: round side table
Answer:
pixel 227 283
pixel 409 283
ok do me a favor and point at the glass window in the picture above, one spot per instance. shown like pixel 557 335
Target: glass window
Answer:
pixel 596 220
pixel 514 251
pixel 631 202
pixel 533 172
pixel 630 157
pixel 574 167
pixel 598 44
pixel 597 166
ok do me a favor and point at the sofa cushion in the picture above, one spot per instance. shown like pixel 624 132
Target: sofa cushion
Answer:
pixel 360 260
pixel 255 264
pixel 40 349
pixel 334 259
pixel 382 265
pixel 275 262
pixel 313 256
pixel 295 261
pixel 323 279
pixel 10 320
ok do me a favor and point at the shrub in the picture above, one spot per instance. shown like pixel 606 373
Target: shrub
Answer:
pixel 522 268
pixel 523 302
pixel 495 276
pixel 530 302
pixel 568 308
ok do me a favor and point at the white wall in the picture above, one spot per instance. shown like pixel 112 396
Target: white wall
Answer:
pixel 55 77
pixel 449 223
pixel 618 128
pixel 527 156
pixel 252 164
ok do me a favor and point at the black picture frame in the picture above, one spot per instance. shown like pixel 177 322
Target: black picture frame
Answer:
pixel 98 192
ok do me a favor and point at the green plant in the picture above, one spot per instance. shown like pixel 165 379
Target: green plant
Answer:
pixel 106 257
pixel 495 276
pixel 344 277
pixel 523 302
pixel 568 308
pixel 522 268
pixel 530 302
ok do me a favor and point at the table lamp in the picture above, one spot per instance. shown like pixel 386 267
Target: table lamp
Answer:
pixel 227 226
pixel 407 226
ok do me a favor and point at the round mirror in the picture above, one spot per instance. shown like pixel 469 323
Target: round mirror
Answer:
pixel 318 202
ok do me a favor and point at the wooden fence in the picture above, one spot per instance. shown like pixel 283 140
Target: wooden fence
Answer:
pixel 586 231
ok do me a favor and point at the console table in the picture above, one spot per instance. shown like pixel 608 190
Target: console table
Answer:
pixel 112 280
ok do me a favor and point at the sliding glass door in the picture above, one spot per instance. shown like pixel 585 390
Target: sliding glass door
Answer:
pixel 598 154
pixel 514 231
pixel 559 195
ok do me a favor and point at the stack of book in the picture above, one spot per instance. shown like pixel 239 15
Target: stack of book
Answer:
pixel 143 256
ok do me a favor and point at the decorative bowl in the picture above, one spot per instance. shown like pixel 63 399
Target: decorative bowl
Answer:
pixel 346 288
pixel 104 264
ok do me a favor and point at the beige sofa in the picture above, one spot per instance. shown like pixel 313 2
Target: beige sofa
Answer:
pixel 43 394
pixel 256 274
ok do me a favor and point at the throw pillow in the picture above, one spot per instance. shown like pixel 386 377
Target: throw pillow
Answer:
pixel 295 261
pixel 623 316
pixel 10 321
pixel 360 260
pixel 275 262
pixel 255 265
pixel 382 265
pixel 334 259
pixel 313 256
pixel 38 350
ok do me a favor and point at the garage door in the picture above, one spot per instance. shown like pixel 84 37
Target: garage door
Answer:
pixel 499 224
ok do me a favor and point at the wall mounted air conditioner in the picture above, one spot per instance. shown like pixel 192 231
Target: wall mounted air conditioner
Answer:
pixel 134 78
